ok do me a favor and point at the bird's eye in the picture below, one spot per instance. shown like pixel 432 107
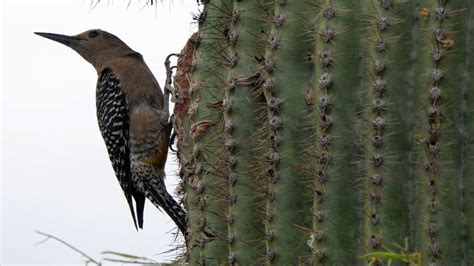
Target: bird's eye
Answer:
pixel 93 34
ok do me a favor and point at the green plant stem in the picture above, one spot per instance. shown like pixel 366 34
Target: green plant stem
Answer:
pixel 245 230
pixel 210 184
pixel 339 205
pixel 285 188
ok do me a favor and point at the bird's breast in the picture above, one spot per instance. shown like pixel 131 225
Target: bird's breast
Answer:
pixel 148 134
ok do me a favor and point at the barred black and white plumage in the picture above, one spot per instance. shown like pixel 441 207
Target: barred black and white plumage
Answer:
pixel 112 116
pixel 133 119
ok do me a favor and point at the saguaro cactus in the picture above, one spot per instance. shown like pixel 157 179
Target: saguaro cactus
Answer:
pixel 328 132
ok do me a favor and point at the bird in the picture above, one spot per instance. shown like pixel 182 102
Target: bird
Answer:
pixel 133 115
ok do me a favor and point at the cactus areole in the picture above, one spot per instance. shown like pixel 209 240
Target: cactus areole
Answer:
pixel 328 132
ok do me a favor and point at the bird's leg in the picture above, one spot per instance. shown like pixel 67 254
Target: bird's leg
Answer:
pixel 172 133
pixel 169 89
pixel 168 83
pixel 174 95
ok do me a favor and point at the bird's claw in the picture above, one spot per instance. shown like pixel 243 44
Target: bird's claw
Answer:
pixel 168 83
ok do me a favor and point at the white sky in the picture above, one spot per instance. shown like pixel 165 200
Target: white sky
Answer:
pixel 56 176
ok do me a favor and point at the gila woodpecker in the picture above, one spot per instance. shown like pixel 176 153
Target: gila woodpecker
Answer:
pixel 133 120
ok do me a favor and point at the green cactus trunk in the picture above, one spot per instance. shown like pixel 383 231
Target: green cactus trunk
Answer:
pixel 329 132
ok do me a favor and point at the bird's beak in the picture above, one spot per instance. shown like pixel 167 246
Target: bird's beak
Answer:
pixel 64 39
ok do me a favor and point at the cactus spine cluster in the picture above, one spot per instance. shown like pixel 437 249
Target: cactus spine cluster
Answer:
pixel 328 132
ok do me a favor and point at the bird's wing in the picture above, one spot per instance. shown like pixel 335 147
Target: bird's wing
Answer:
pixel 113 119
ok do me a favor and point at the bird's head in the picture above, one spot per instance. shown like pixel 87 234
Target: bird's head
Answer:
pixel 96 46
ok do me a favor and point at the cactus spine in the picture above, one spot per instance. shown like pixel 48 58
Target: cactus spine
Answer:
pixel 388 117
pixel 286 77
pixel 337 84
pixel 202 146
pixel 245 232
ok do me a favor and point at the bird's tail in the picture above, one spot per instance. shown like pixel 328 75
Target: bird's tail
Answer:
pixel 157 194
